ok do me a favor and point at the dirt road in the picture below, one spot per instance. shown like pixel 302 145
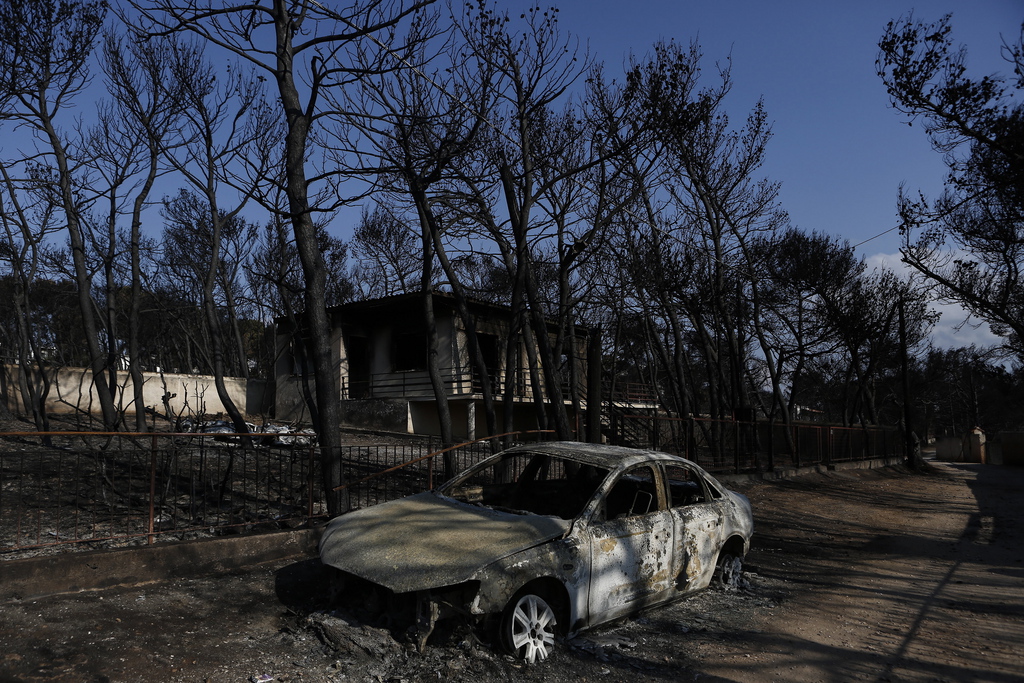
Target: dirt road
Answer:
pixel 858 575
pixel 890 577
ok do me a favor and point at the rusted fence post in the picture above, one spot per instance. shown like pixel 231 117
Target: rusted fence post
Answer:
pixel 736 446
pixel 310 479
pixel 152 490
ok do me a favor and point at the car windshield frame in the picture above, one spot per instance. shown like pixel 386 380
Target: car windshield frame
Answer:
pixel 533 482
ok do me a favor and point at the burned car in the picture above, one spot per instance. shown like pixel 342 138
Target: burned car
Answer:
pixel 547 539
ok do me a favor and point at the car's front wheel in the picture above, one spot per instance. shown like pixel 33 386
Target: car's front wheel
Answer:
pixel 528 627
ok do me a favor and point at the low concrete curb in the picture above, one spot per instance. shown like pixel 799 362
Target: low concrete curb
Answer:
pixel 92 570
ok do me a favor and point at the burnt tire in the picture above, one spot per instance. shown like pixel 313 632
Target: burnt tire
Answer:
pixel 729 572
pixel 527 628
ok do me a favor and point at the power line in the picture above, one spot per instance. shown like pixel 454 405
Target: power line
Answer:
pixel 881 234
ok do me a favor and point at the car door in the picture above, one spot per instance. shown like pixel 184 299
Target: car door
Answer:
pixel 697 527
pixel 630 546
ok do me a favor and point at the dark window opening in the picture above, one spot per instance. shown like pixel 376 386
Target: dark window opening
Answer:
pixel 302 364
pixel 359 367
pixel 490 349
pixel 409 352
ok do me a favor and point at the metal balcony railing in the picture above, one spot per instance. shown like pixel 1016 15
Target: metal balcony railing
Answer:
pixel 458 382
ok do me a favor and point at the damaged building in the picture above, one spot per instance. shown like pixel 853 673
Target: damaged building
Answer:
pixel 380 349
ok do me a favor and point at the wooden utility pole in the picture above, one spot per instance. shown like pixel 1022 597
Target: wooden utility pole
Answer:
pixel 911 441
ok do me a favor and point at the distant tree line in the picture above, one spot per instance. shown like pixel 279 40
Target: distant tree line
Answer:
pixel 493 159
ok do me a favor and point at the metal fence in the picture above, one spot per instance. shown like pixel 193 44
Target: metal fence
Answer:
pixel 102 490
pixel 733 447
pixel 88 490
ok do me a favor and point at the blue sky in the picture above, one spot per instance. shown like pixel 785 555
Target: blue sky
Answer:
pixel 839 150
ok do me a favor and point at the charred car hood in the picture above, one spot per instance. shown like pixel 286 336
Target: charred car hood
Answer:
pixel 428 541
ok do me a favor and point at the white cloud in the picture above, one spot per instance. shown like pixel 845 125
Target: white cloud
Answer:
pixel 946 334
pixel 950 331
pixel 888 261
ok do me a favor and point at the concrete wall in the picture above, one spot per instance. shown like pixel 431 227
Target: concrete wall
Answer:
pixel 289 404
pixel 72 390
pixel 949 449
pixel 1012 450
pixel 975 446
pixel 970 448
pixel 73 572
pixel 287 400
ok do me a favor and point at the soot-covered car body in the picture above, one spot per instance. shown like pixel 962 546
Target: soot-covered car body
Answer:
pixel 550 537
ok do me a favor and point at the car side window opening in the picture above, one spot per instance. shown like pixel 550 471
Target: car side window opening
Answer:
pixel 634 494
pixel 685 486
pixel 712 490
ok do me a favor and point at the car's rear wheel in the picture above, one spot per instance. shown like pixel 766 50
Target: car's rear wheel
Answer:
pixel 528 627
pixel 729 572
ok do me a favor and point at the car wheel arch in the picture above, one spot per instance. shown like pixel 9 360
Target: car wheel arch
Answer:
pixel 556 595
pixel 736 545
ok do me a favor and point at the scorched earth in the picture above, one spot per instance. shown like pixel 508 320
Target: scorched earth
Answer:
pixel 880 575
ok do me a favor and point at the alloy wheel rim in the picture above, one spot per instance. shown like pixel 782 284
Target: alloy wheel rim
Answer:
pixel 533 629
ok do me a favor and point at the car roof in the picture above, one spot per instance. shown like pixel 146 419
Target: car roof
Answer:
pixel 600 455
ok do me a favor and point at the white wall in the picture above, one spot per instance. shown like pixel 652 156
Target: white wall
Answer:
pixel 72 390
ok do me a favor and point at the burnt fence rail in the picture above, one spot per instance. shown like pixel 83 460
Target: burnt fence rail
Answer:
pixel 63 490
pixel 103 490
pixel 734 447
